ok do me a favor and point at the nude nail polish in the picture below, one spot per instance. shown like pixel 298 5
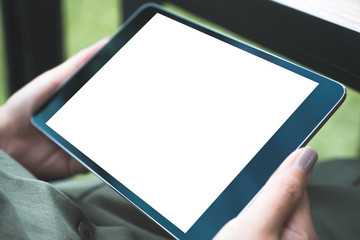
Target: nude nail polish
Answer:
pixel 306 160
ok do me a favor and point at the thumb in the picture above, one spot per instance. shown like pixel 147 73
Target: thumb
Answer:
pixel 49 81
pixel 300 225
pixel 41 88
pixel 280 195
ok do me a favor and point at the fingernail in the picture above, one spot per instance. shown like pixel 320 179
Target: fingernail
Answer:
pixel 103 40
pixel 306 160
pixel 107 38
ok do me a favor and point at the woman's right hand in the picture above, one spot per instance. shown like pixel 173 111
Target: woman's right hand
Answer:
pixel 282 209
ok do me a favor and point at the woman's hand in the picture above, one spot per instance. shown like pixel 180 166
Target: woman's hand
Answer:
pixel 21 140
pixel 282 209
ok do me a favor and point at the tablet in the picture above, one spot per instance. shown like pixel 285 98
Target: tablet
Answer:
pixel 184 122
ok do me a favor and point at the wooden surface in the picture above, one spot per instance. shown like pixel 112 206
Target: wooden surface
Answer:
pixel 342 12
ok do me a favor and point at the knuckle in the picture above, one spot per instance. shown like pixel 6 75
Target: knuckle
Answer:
pixel 309 236
pixel 291 188
pixel 313 235
pixel 290 234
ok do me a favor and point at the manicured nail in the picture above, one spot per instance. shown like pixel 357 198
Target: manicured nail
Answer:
pixel 306 160
pixel 103 40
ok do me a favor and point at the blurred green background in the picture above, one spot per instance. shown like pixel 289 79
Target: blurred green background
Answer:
pixel 87 21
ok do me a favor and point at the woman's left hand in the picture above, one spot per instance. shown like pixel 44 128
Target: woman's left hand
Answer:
pixel 21 140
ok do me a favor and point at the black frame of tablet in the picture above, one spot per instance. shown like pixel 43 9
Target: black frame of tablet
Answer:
pixel 298 129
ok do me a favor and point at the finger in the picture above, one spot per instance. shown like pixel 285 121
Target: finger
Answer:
pixel 75 167
pixel 299 225
pixel 69 67
pixel 282 192
pixel 41 88
pixel 51 80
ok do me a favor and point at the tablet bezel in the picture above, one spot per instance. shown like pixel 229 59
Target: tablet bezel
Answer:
pixel 294 133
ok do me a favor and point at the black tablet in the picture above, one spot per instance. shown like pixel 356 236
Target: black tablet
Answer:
pixel 184 122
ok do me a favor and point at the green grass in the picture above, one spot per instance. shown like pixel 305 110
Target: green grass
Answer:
pixel 87 21
pixel 340 136
pixel 3 82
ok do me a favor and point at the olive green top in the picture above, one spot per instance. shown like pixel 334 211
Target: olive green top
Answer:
pixel 86 208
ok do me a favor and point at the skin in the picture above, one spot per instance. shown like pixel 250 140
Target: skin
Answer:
pixel 280 211
pixel 21 140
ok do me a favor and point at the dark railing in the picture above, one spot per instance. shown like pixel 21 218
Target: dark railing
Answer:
pixel 33 38
pixel 33 34
pixel 327 48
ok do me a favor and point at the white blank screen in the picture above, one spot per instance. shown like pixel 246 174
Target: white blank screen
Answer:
pixel 175 115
